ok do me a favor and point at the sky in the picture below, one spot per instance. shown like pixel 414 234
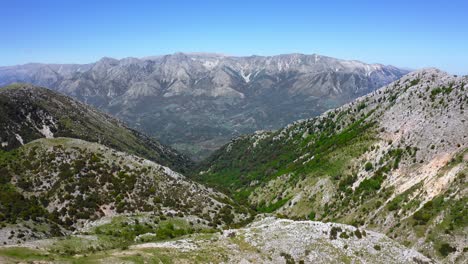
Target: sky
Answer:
pixel 410 34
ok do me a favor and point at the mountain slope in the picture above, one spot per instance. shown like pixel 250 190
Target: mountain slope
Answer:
pixel 267 240
pixel 54 181
pixel 197 102
pixel 50 187
pixel 394 161
pixel 28 112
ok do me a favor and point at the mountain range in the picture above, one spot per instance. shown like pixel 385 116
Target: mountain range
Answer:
pixel 381 179
pixel 196 102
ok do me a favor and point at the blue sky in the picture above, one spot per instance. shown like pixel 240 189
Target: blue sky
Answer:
pixel 411 34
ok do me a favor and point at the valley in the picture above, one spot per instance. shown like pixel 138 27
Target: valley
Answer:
pixel 371 181
pixel 234 132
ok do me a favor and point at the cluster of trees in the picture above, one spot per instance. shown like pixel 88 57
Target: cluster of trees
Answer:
pixel 13 204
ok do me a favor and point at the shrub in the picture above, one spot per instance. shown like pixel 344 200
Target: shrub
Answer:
pixel 395 203
pixel 414 82
pixel 289 259
pixel 429 210
pixel 344 235
pixel 358 234
pixel 445 249
pixel 346 182
pixel 361 106
pixel 334 232
pixel 370 185
pixel 312 215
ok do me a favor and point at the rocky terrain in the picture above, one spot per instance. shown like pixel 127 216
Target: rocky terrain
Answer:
pixel 51 187
pixel 28 112
pixel 54 181
pixel 198 102
pixel 394 161
pixel 267 240
pixel 379 180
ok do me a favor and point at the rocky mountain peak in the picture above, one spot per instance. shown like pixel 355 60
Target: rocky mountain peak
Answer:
pixel 203 100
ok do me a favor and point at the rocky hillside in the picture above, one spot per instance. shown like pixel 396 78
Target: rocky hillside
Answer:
pixel 267 240
pixel 66 168
pixel 50 187
pixel 198 102
pixel 28 113
pixel 393 161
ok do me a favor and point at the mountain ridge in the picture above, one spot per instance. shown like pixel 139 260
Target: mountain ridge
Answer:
pixel 29 112
pixel 391 184
pixel 207 99
pixel 195 54
pixel 394 161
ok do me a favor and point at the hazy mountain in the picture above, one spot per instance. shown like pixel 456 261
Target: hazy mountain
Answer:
pixel 394 161
pixel 28 113
pixel 197 102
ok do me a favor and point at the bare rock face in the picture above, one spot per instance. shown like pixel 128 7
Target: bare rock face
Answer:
pixel 197 102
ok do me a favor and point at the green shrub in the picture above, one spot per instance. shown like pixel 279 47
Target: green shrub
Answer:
pixel 445 249
pixel 344 235
pixel 358 233
pixel 395 203
pixel 370 185
pixel 361 106
pixel 346 183
pixel 414 82
pixel 312 215
pixel 428 211
pixel 334 232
